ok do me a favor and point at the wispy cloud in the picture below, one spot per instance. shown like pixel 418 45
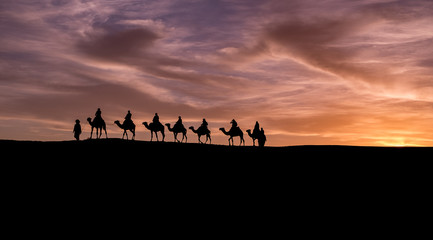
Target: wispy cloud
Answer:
pixel 311 72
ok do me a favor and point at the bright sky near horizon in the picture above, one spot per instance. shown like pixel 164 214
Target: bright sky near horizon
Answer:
pixel 310 72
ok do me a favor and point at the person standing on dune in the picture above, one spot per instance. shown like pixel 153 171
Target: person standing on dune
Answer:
pixel 77 130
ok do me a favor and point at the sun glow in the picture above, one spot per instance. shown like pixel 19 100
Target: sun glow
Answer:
pixel 398 142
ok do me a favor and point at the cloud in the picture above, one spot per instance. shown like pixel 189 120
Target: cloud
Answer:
pixel 308 71
pixel 120 44
pixel 363 45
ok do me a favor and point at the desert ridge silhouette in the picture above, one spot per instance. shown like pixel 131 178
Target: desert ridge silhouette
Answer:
pixel 178 128
pixel 155 126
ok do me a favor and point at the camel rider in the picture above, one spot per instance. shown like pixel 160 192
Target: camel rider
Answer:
pixel 98 117
pixel 234 124
pixel 204 125
pixel 155 120
pixel 128 118
pixel 178 124
pixel 256 130
pixel 98 113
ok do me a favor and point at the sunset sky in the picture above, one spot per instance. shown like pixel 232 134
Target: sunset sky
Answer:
pixel 351 72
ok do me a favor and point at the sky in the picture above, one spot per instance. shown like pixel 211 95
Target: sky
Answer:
pixel 347 72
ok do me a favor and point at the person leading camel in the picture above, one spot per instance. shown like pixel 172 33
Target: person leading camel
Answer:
pixel 77 130
pixel 262 138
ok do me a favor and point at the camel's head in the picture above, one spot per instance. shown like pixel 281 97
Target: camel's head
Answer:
pixel 89 119
pixel 144 123
pixel 167 124
pixel 191 127
pixel 117 122
pixel 249 131
pixel 222 129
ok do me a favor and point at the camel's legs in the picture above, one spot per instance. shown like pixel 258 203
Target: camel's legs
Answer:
pixel 91 133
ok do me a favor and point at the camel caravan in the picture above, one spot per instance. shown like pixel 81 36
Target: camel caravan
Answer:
pixel 156 127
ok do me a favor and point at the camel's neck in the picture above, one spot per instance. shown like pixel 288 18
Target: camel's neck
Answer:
pixel 118 124
pixel 193 130
pixel 146 125
pixel 169 127
pixel 249 134
pixel 224 131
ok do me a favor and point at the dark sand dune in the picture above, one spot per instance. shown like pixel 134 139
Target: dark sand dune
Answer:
pixel 298 178
pixel 123 149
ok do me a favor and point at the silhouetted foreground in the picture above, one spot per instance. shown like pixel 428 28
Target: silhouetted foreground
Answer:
pixel 308 175
pixel 118 149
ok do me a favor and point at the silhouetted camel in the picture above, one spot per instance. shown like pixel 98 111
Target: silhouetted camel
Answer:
pixel 234 132
pixel 155 128
pixel 176 130
pixel 99 125
pixel 253 136
pixel 202 131
pixel 256 134
pixel 130 127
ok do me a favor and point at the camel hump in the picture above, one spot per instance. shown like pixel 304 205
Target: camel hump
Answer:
pixel 157 125
pixel 235 129
pixel 203 129
pixel 179 127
